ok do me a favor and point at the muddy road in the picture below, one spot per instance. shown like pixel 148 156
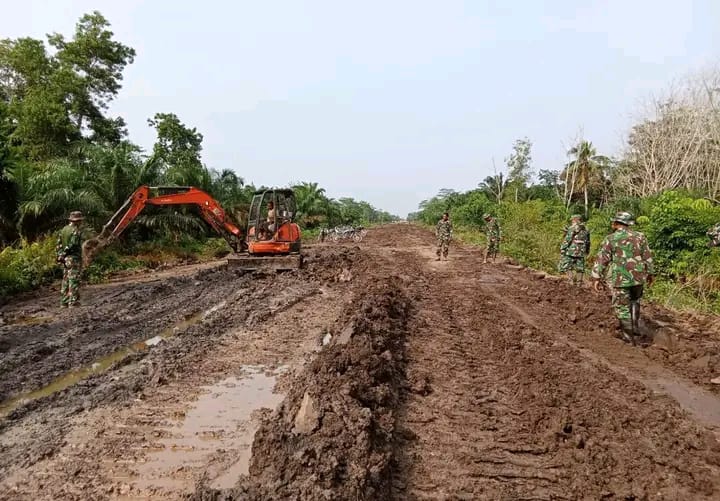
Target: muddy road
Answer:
pixel 374 373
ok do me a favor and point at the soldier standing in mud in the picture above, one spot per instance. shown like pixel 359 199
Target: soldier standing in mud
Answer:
pixel 574 249
pixel 69 256
pixel 492 232
pixel 626 257
pixel 443 232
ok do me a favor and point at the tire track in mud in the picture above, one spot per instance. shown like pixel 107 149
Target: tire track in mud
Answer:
pixel 498 386
pixel 516 412
pixel 50 435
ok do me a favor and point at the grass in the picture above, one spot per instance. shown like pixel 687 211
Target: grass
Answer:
pixel 28 265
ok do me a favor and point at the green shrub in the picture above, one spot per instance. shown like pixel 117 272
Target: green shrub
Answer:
pixel 27 266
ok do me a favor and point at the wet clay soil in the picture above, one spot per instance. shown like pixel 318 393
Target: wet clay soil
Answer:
pixel 374 373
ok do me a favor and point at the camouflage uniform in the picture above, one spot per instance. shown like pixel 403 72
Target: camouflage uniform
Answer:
pixel 626 257
pixel 575 246
pixel 444 235
pixel 492 232
pixel 714 235
pixel 69 255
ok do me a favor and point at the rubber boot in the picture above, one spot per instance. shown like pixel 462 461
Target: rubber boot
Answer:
pixel 626 328
pixel 635 316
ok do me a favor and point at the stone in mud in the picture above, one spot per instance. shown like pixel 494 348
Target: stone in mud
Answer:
pixel 345 335
pixel 307 417
pixel 345 275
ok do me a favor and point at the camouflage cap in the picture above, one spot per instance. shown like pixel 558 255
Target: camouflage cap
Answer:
pixel 624 218
pixel 576 216
pixel 76 215
pixel 486 216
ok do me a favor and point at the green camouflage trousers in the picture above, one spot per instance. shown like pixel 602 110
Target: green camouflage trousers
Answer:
pixel 621 298
pixel 70 289
pixel 569 263
pixel 443 245
pixel 493 243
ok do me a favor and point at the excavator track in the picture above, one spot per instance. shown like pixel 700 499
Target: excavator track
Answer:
pixel 246 262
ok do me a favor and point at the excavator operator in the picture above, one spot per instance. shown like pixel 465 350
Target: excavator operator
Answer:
pixel 267 227
pixel 271 217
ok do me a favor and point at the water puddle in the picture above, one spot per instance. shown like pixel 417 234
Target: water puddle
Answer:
pixel 220 421
pixel 697 401
pixel 28 320
pixel 100 365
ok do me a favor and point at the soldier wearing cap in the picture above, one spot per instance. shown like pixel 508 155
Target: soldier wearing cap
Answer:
pixel 492 232
pixel 627 260
pixel 573 250
pixel 69 255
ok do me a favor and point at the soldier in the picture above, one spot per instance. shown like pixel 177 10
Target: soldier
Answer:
pixel 714 235
pixel 69 255
pixel 492 232
pixel 443 232
pixel 626 257
pixel 574 249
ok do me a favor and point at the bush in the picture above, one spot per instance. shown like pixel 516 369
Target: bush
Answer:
pixel 676 226
pixel 27 266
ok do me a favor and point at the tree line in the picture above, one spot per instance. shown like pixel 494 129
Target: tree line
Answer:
pixel 60 149
pixel 667 174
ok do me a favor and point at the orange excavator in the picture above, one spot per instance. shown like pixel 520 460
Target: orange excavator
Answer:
pixel 271 241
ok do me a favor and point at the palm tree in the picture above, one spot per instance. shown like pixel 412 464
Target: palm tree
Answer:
pixel 494 186
pixel 586 167
pixel 311 202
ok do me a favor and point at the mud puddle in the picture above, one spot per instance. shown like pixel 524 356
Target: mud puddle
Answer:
pixel 102 364
pixel 702 404
pixel 215 435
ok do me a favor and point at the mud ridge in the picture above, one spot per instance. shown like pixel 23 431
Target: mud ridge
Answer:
pixel 333 435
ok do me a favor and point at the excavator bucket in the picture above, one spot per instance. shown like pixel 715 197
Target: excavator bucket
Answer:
pixel 247 262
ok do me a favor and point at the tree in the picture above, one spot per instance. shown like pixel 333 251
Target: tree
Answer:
pixel 311 203
pixel 586 167
pixel 518 165
pixel 177 150
pixel 57 100
pixel 90 69
pixel 494 186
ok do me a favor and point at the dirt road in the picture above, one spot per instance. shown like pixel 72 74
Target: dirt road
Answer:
pixel 374 373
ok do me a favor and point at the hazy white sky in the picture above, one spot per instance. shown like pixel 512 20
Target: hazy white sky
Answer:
pixel 389 101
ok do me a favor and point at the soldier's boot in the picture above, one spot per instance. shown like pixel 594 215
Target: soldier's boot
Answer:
pixel 570 277
pixel 635 316
pixel 626 330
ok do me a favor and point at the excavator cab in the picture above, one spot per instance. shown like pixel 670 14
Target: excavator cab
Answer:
pixel 272 239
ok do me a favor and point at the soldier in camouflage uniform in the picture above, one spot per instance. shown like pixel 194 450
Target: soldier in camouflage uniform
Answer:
pixel 492 232
pixel 69 255
pixel 574 249
pixel 443 232
pixel 626 257
pixel 714 235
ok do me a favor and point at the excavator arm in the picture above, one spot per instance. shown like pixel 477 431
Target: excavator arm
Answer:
pixel 210 211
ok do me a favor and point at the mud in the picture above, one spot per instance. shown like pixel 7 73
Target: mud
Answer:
pixel 398 377
pixel 333 436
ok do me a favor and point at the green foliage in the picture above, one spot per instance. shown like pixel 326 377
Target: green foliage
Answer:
pixel 27 266
pixel 315 209
pixel 58 99
pixel 676 228
pixel 532 232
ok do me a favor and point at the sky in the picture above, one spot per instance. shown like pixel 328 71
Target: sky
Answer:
pixel 390 101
